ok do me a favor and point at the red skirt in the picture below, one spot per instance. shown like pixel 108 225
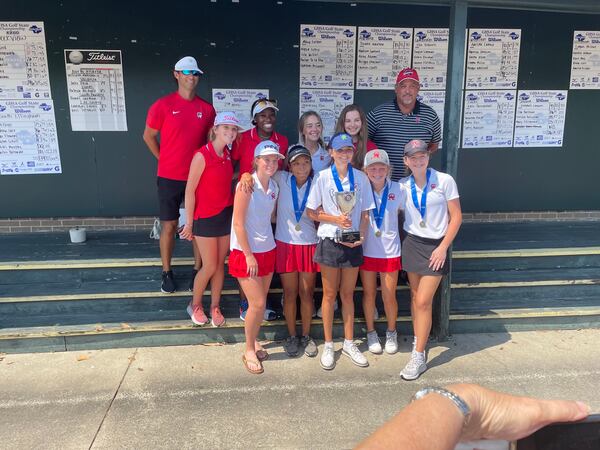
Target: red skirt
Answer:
pixel 238 268
pixel 295 258
pixel 381 264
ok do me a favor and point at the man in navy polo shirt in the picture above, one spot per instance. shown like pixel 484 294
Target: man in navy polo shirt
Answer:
pixel 393 124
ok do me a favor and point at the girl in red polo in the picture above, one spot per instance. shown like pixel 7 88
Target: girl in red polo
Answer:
pixel 381 250
pixel 208 201
pixel 353 121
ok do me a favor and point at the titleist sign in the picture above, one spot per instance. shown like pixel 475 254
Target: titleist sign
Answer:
pixel 98 56
pixel 93 57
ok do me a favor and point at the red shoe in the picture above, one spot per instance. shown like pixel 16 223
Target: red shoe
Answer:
pixel 217 318
pixel 197 314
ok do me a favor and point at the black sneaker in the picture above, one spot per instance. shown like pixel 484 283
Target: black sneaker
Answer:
pixel 168 284
pixel 191 286
pixel 291 346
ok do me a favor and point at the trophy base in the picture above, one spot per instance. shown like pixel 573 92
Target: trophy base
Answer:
pixel 347 236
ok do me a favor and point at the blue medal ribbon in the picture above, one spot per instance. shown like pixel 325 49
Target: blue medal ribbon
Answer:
pixel 379 213
pixel 336 178
pixel 299 210
pixel 413 189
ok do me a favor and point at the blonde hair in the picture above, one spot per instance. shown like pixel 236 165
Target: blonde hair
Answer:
pixel 212 135
pixel 358 158
pixel 302 121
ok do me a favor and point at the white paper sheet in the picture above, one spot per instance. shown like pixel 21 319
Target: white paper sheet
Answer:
pixel 488 119
pixel 23 61
pixel 382 53
pixel 28 141
pixel 327 56
pixel 96 90
pixel 493 58
pixel 540 120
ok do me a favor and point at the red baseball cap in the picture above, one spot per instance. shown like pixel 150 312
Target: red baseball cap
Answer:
pixel 407 74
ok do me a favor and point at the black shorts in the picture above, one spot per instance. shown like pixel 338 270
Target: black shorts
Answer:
pixel 214 226
pixel 416 251
pixel 333 254
pixel 171 194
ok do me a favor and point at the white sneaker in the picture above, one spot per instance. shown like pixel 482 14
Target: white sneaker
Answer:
pixel 352 352
pixel 373 343
pixel 328 357
pixel 391 342
pixel 415 366
pixel 320 311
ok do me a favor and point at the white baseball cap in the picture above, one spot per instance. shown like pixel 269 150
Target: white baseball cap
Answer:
pixel 262 105
pixel 266 148
pixel 377 156
pixel 187 63
pixel 227 118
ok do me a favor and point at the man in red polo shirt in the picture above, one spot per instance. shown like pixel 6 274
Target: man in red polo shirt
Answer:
pixel 182 120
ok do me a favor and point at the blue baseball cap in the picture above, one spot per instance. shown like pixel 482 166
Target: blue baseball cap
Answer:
pixel 340 140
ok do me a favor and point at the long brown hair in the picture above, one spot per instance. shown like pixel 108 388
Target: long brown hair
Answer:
pixel 358 158
pixel 302 121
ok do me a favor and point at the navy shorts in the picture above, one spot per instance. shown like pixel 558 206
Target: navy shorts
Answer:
pixel 171 194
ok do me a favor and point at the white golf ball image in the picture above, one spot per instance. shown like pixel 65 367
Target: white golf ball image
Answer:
pixel 76 57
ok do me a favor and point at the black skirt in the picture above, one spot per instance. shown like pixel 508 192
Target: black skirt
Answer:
pixel 416 251
pixel 215 226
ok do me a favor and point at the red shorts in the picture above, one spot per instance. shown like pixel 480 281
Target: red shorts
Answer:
pixel 295 258
pixel 238 268
pixel 381 264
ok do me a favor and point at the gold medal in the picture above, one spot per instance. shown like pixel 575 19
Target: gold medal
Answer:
pixel 422 224
pixel 378 233
pixel 298 227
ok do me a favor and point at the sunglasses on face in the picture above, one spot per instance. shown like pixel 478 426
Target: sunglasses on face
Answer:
pixel 196 73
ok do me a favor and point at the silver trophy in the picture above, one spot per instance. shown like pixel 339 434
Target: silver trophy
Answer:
pixel 346 201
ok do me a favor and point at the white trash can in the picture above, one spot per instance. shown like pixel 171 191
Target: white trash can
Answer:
pixel 77 235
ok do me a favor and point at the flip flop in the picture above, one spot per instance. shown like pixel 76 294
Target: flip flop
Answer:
pixel 262 355
pixel 252 361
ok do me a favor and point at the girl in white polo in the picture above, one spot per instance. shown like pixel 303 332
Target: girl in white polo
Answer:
pixel 296 240
pixel 381 250
pixel 339 260
pixel 310 127
pixel 252 257
pixel 432 219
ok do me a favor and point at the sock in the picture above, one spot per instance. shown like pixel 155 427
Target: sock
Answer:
pixel 348 343
pixel 329 344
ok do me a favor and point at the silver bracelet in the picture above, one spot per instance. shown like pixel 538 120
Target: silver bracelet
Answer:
pixel 459 402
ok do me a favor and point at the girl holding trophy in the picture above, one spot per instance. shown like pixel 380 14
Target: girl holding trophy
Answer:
pixel 340 201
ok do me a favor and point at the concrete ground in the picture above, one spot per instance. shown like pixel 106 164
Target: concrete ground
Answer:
pixel 202 397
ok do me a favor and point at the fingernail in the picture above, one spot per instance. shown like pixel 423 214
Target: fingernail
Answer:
pixel 584 407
